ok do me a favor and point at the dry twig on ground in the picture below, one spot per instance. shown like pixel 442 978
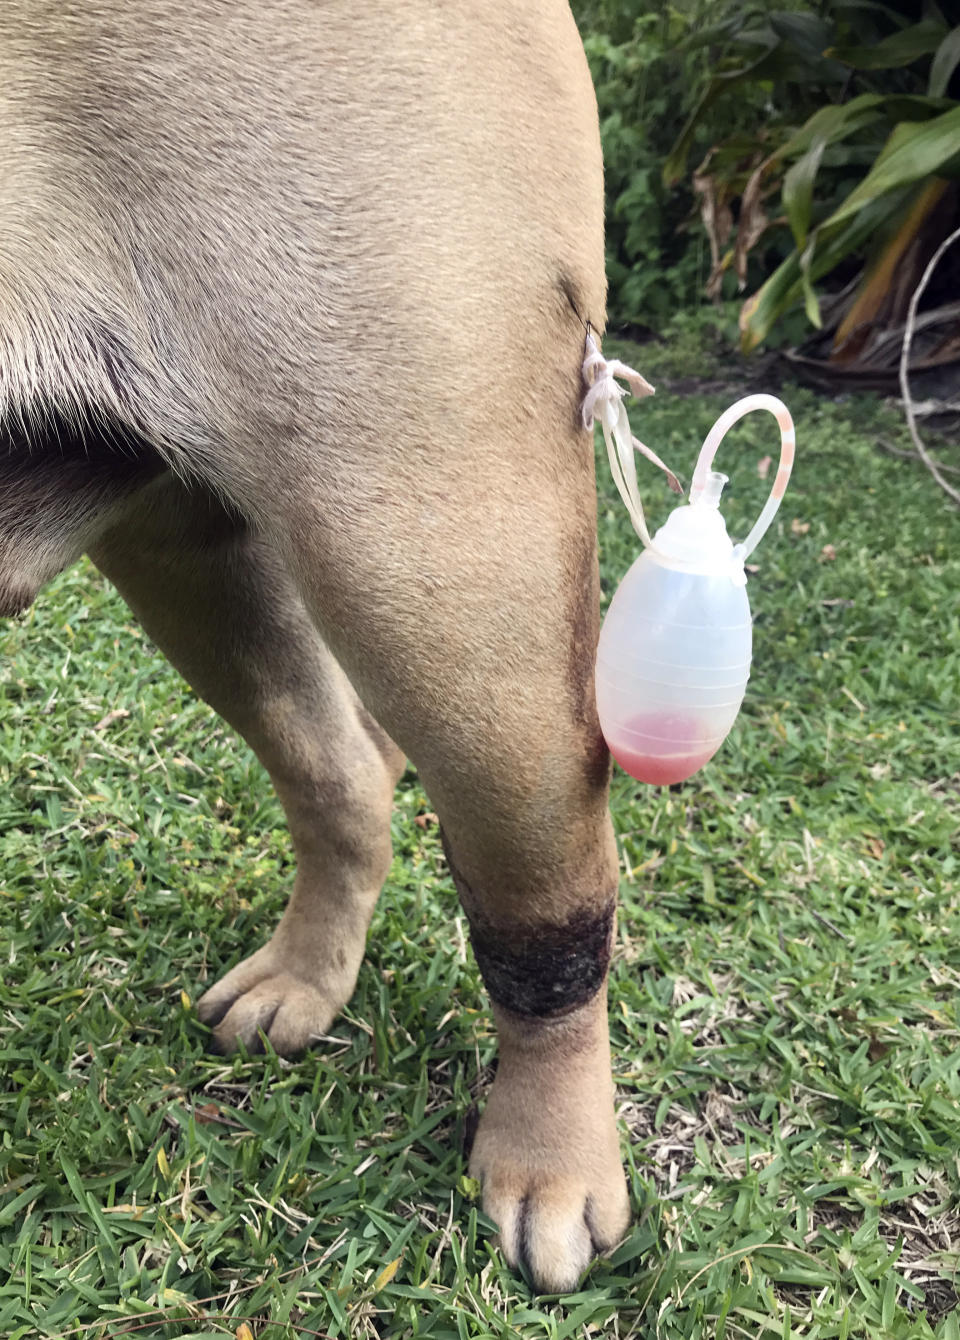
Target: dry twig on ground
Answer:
pixel 908 405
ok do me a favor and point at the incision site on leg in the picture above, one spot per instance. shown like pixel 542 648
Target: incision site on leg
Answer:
pixel 544 970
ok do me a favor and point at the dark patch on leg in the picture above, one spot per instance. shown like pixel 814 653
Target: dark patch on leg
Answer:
pixel 541 970
pixel 546 970
pixel 523 1235
pixel 584 632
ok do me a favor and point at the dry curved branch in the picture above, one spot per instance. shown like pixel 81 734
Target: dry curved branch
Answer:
pixel 922 452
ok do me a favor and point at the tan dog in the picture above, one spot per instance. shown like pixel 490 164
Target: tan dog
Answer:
pixel 291 318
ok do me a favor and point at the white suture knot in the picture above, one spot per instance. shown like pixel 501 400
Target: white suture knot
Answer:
pixel 603 391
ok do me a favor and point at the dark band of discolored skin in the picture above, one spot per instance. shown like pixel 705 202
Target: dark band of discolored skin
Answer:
pixel 548 970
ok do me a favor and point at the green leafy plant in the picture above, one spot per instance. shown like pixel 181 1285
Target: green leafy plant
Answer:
pixel 647 67
pixel 866 176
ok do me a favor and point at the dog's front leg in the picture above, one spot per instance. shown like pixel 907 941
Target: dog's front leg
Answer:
pixel 553 1092
pixel 546 1150
pixel 466 613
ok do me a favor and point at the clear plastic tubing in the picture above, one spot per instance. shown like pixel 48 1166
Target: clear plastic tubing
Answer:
pixel 675 648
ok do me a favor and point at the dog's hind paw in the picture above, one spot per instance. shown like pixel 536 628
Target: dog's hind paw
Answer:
pixel 260 998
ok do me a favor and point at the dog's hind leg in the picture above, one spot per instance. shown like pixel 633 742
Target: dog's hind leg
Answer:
pixel 218 602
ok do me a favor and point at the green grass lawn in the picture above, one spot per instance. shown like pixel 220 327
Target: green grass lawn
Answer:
pixel 784 997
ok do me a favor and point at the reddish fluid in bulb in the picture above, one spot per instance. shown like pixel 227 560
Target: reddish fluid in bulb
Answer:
pixel 662 750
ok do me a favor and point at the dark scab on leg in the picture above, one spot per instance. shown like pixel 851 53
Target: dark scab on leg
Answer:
pixel 539 970
pixel 548 970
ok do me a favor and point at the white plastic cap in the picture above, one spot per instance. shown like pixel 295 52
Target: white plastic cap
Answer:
pixel 694 537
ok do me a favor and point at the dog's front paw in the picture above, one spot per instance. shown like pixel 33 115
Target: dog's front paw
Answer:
pixel 546 1150
pixel 554 1224
pixel 265 994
